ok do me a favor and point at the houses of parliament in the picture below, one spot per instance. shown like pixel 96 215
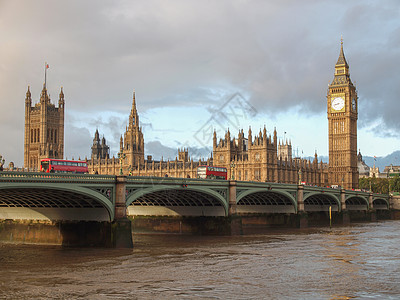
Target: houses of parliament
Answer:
pixel 248 156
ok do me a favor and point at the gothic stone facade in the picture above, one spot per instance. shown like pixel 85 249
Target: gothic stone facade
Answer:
pixel 245 159
pixel 131 155
pixel 256 159
pixel 44 129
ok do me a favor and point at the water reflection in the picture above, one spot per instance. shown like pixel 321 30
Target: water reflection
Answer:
pixel 356 262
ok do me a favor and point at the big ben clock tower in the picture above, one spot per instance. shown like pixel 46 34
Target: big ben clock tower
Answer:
pixel 342 117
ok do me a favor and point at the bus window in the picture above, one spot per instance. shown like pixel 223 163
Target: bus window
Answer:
pixel 45 165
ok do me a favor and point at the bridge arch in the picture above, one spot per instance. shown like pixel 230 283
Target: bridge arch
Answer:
pixel 318 201
pixel 257 200
pixel 357 202
pixel 380 203
pixel 54 202
pixel 177 200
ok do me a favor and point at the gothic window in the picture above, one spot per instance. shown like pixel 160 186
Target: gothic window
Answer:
pixel 55 135
pixel 31 135
pixel 38 135
pixel 257 157
pixel 257 174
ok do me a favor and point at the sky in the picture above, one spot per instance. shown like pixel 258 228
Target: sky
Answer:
pixel 196 66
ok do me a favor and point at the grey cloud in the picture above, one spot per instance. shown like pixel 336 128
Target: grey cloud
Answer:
pixel 279 53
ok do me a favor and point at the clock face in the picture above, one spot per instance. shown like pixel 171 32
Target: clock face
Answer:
pixel 353 104
pixel 337 103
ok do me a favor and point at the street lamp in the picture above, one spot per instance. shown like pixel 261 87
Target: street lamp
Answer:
pixel 121 157
pixel 232 171
pixel 300 176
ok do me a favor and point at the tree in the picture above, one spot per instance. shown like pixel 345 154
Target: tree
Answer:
pixel 379 185
pixel 2 161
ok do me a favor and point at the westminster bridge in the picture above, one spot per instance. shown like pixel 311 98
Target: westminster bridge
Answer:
pixel 106 198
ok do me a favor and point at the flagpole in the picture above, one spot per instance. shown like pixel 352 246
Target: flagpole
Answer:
pixel 45 71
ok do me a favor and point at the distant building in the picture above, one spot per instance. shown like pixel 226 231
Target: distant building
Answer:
pixel 285 150
pixel 392 171
pixel 100 150
pixel 44 129
pixel 363 169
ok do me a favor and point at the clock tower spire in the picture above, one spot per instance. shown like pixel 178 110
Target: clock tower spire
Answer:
pixel 342 104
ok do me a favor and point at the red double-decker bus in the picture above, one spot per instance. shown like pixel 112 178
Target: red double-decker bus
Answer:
pixel 50 165
pixel 211 172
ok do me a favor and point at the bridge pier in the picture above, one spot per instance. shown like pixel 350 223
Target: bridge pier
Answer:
pixel 370 201
pixel 232 198
pixel 121 226
pixel 301 213
pixel 344 211
pixel 343 199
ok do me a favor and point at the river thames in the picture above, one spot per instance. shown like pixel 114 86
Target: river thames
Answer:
pixel 357 262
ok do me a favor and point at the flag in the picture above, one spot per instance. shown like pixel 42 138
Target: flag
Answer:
pixel 47 66
pixel 375 158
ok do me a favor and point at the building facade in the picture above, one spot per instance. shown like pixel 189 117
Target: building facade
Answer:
pixel 342 104
pixel 245 158
pixel 256 159
pixel 44 129
pixel 131 158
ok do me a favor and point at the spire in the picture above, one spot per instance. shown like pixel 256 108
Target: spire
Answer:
pixel 96 136
pixel 61 100
pixel 44 97
pixel 134 100
pixel 133 117
pixel 28 99
pixel 341 60
pixel 215 139
pixel 342 75
pixel 28 93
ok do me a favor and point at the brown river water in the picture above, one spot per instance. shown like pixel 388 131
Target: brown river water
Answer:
pixel 357 262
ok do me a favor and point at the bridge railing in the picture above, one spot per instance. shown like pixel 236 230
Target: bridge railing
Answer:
pixel 40 176
pixel 174 180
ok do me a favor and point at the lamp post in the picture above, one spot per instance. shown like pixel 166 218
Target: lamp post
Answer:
pixel 121 157
pixel 232 171
pixel 300 176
